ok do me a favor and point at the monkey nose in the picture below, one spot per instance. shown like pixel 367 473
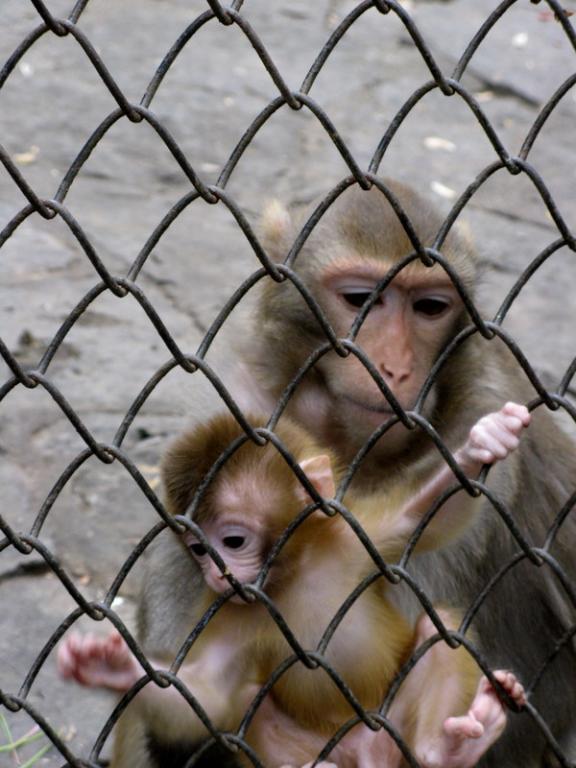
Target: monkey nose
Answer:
pixel 394 376
pixel 396 371
pixel 217 574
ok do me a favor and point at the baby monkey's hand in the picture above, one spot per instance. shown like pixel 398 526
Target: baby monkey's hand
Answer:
pixel 494 436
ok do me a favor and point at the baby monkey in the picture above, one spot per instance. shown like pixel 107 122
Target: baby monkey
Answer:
pixel 447 714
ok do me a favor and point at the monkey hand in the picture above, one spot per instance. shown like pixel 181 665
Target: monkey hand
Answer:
pixel 494 436
pixel 465 739
pixel 103 662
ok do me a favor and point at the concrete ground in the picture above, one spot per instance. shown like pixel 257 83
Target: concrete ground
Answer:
pixel 51 103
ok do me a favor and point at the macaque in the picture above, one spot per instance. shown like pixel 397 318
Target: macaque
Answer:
pixel 444 710
pixel 349 252
pixel 355 244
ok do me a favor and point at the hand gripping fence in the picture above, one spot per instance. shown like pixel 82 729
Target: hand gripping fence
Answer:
pixel 200 193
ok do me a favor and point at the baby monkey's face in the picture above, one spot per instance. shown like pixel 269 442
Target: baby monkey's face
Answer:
pixel 239 544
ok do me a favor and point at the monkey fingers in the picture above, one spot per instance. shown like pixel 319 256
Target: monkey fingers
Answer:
pixel 497 434
pixel 518 411
pixel 483 707
pixel 508 423
pixel 103 662
pixel 465 739
pixel 490 442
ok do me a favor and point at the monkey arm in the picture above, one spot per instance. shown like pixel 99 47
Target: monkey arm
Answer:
pixel 219 680
pixel 490 440
pixel 218 677
pixel 448 714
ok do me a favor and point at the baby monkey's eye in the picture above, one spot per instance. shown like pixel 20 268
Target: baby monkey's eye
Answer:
pixel 198 549
pixel 430 307
pixel 233 542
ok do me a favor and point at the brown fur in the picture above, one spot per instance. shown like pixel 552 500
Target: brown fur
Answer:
pixel 534 483
pixel 321 561
pixel 520 623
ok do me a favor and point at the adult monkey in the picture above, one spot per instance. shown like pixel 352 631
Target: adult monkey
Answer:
pixel 350 251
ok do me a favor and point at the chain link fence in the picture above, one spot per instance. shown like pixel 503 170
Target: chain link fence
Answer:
pixel 31 544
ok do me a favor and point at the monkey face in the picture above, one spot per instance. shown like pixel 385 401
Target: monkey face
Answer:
pixel 348 253
pixel 402 335
pixel 238 543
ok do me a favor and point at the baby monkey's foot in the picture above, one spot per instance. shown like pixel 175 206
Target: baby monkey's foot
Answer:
pixel 104 662
pixel 465 739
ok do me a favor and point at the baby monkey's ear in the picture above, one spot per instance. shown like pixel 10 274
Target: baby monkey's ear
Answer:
pixel 318 469
pixel 275 224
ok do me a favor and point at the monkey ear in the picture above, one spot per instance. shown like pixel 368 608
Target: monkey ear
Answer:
pixel 275 224
pixel 318 470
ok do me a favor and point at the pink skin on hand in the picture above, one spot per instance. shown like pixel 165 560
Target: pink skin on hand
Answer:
pixel 491 439
pixel 494 436
pixel 99 661
pixel 465 739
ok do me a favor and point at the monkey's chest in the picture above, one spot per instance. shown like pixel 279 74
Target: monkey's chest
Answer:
pixel 361 645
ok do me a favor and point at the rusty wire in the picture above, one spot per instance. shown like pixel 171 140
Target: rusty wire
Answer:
pixel 450 86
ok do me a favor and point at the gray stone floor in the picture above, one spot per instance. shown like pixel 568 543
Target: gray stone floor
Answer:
pixel 54 100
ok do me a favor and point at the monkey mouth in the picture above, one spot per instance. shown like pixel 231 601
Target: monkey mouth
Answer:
pixel 383 409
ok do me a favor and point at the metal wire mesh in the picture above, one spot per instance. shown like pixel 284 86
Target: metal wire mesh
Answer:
pixel 201 193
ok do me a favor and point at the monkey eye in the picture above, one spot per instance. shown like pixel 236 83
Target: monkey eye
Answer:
pixel 430 307
pixel 198 549
pixel 234 542
pixel 357 299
